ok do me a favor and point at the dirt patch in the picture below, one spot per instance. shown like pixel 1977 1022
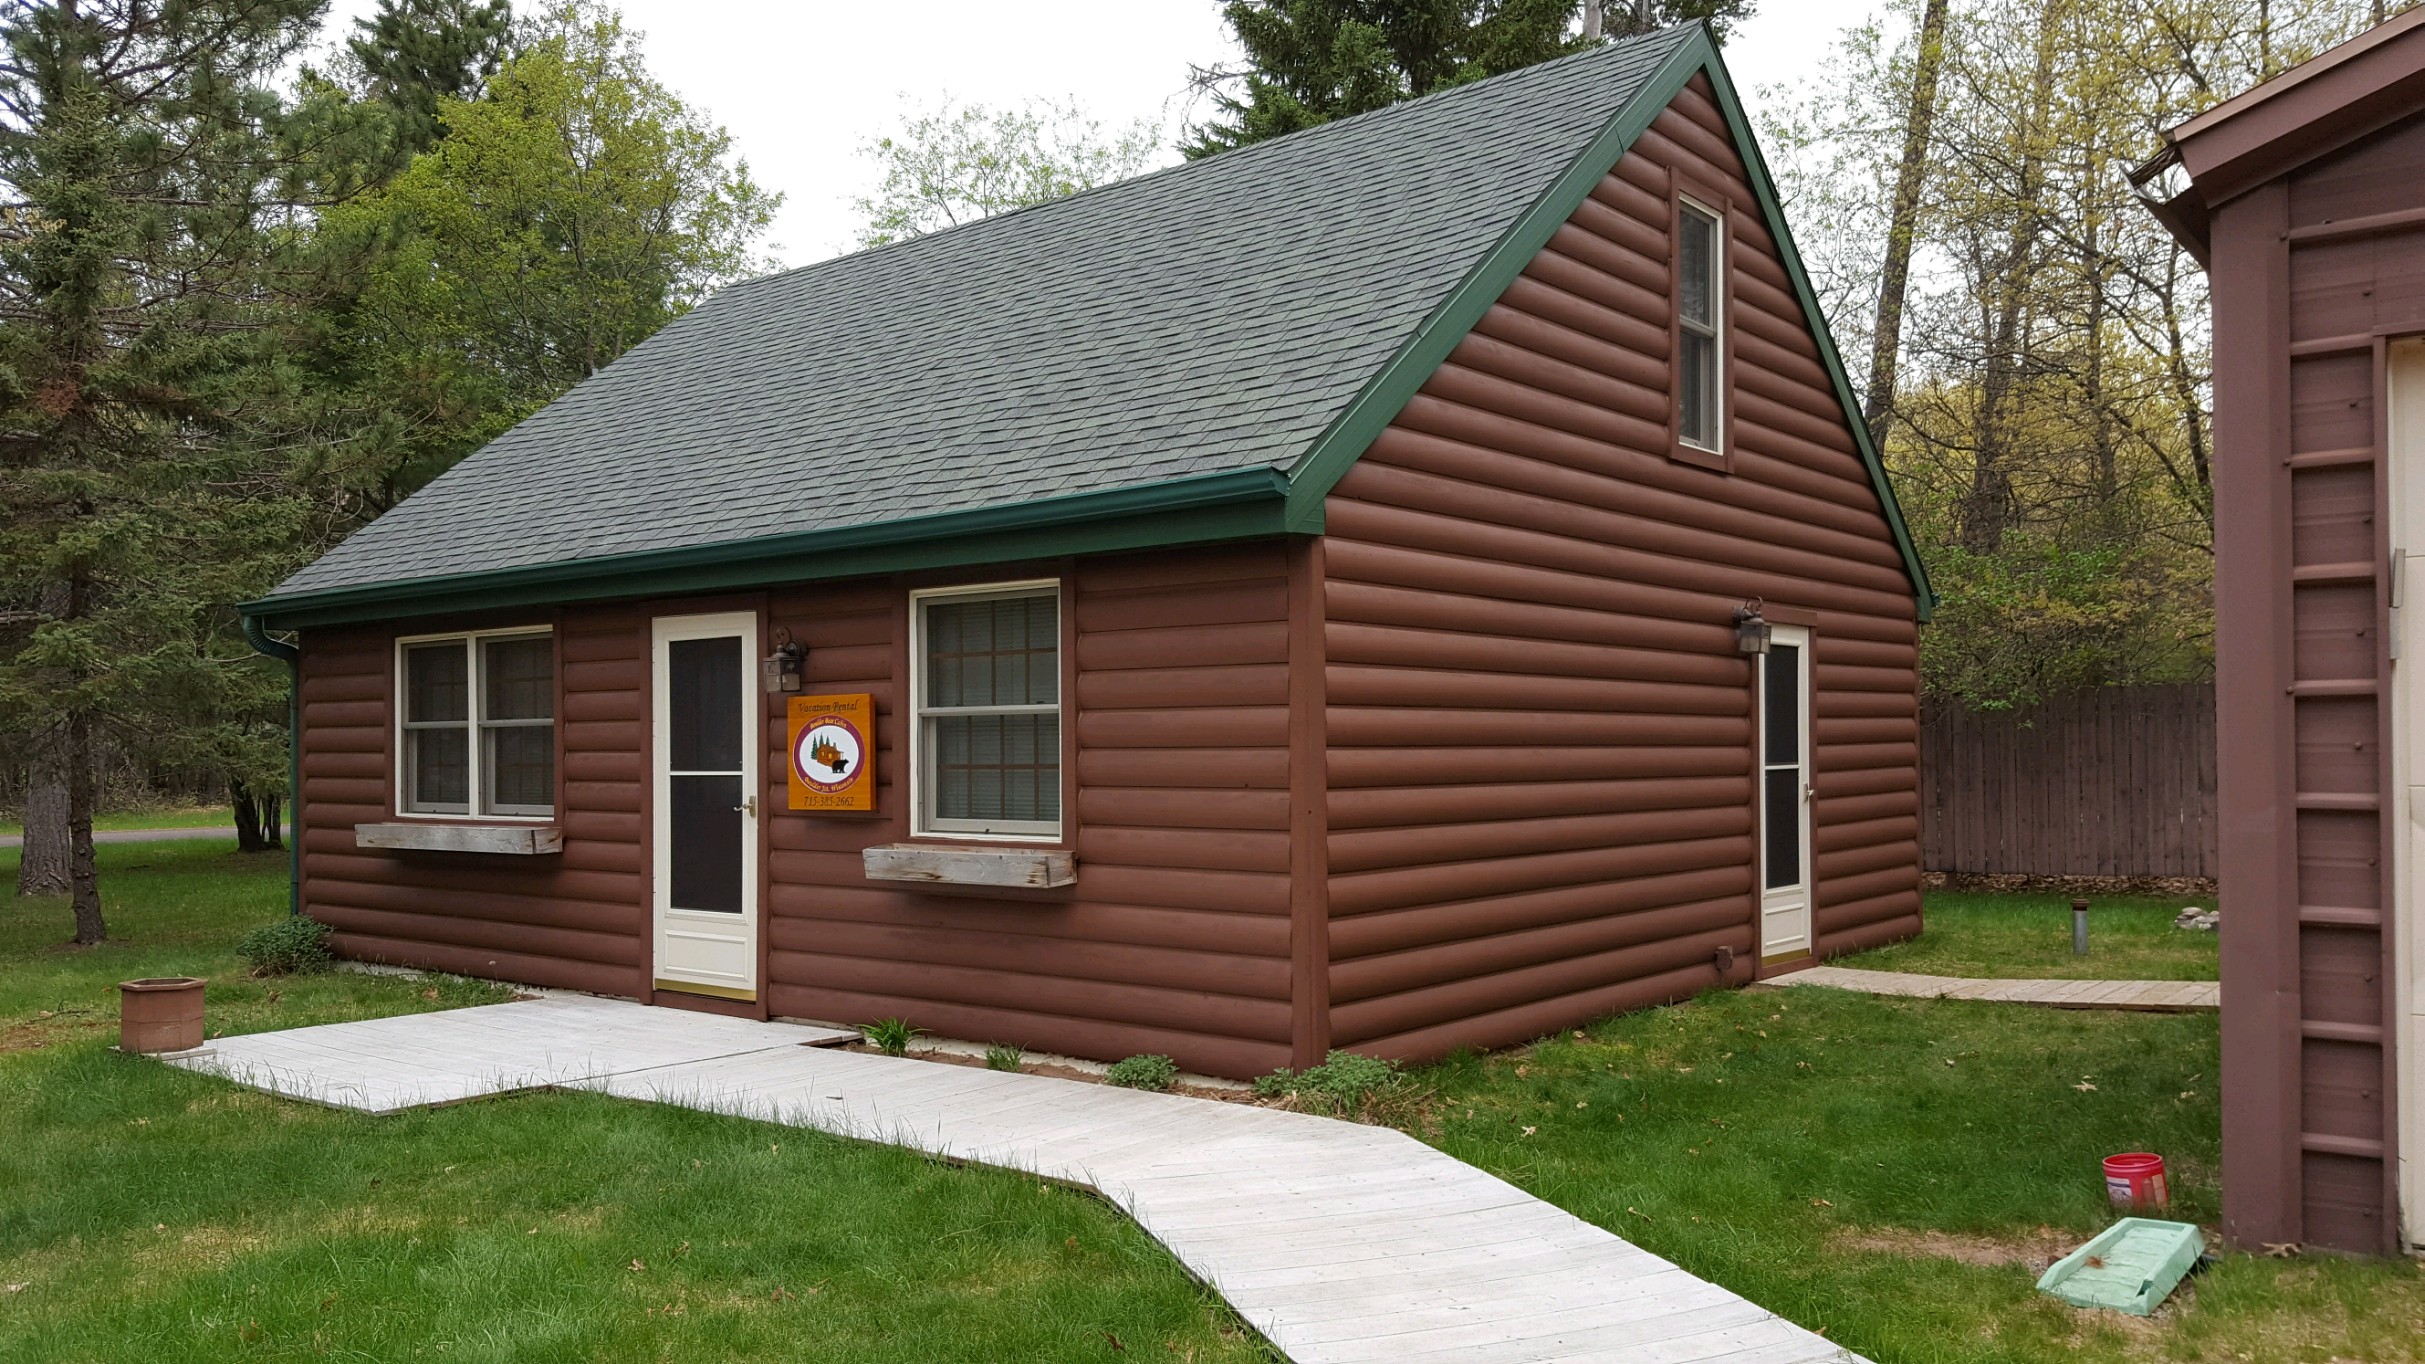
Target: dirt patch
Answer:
pixel 50 1029
pixel 2033 1252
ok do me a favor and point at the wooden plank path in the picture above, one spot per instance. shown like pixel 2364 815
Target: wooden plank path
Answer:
pixel 1340 1243
pixel 2159 996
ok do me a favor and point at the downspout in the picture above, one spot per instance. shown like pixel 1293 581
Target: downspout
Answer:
pixel 260 639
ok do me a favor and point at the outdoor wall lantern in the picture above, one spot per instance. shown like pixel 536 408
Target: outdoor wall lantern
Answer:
pixel 1751 632
pixel 783 667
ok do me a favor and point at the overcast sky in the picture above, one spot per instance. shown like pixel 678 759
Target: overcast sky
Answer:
pixel 803 84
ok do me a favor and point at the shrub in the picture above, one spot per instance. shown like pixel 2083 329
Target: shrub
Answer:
pixel 1143 1072
pixel 999 1057
pixel 1344 1084
pixel 891 1036
pixel 293 944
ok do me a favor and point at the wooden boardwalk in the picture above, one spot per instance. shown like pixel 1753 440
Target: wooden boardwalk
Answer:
pixel 1338 1242
pixel 2158 996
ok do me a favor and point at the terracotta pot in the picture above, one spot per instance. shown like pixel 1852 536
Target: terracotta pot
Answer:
pixel 162 1013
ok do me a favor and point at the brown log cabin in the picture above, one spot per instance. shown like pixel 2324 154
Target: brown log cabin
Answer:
pixel 2305 198
pixel 1417 583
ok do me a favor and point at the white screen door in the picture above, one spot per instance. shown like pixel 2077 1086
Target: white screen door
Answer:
pixel 2407 428
pixel 706 881
pixel 1785 794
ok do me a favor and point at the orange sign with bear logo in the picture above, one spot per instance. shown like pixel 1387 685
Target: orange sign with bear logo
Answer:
pixel 833 752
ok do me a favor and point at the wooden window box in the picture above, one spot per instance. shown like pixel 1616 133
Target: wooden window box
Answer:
pixel 1011 868
pixel 516 839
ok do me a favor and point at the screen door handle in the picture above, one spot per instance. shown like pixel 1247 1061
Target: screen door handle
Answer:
pixel 749 807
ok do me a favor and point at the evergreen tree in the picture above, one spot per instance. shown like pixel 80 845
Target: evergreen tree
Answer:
pixel 565 215
pixel 138 149
pixel 415 53
pixel 1310 61
pixel 1626 18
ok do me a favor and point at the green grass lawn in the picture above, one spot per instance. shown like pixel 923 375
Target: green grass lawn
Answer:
pixel 161 817
pixel 149 1213
pixel 1897 1172
pixel 1891 1171
pixel 2130 937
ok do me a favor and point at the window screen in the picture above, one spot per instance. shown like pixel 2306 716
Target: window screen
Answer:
pixel 1782 776
pixel 1700 299
pixel 990 713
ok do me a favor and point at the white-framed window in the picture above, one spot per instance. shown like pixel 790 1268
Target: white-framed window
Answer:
pixel 1700 323
pixel 476 724
pixel 985 710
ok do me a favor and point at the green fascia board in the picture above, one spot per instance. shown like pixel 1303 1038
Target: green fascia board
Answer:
pixel 1234 505
pixel 1361 423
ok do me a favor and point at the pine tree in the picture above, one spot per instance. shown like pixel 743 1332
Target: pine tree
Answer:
pixel 1310 61
pixel 138 144
pixel 414 53
pixel 1626 18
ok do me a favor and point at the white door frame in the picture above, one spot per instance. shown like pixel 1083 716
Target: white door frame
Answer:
pixel 721 949
pixel 1786 930
pixel 2405 425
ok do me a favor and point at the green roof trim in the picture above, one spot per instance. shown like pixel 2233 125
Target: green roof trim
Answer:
pixel 1240 504
pixel 1314 476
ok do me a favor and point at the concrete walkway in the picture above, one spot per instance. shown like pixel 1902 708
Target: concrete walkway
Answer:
pixel 2158 996
pixel 134 836
pixel 1340 1243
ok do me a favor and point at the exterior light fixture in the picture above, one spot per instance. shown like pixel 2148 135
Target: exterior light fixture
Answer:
pixel 783 667
pixel 1751 632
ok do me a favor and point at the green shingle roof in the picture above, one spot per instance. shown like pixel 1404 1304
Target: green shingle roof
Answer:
pixel 1157 360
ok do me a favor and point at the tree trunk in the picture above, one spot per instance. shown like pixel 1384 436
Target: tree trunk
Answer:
pixel 2103 454
pixel 1594 22
pixel 84 876
pixel 1886 344
pixel 1987 508
pixel 44 869
pixel 258 822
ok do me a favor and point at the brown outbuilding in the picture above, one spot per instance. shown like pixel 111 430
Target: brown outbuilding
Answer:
pixel 2305 197
pixel 1416 583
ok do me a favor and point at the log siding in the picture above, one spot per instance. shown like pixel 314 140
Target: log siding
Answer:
pixel 1540 747
pixel 1176 937
pixel 1474 764
pixel 572 920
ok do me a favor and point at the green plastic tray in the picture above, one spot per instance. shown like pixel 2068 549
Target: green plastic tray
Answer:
pixel 2138 1262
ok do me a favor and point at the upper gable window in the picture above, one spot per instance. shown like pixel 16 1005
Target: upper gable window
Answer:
pixel 1700 378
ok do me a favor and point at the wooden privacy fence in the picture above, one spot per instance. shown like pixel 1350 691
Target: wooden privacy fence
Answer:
pixel 2119 781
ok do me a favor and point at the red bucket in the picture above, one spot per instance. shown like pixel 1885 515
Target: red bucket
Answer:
pixel 2134 1180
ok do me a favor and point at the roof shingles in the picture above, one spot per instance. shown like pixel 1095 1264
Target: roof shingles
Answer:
pixel 1213 317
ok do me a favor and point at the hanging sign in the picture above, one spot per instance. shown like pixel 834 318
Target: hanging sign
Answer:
pixel 833 752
